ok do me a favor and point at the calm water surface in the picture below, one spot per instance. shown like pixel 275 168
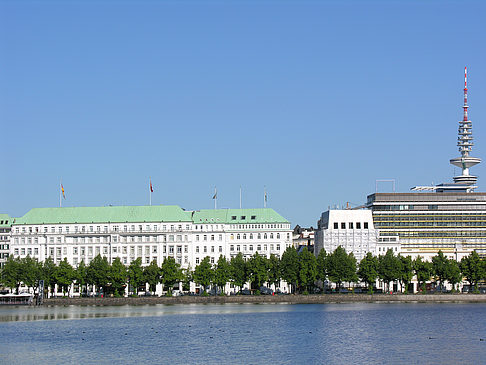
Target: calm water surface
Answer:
pixel 245 333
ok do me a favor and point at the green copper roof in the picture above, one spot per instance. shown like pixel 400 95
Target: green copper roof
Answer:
pixel 158 213
pixel 5 220
pixel 238 216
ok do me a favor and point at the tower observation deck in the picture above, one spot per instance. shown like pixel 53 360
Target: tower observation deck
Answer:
pixel 464 142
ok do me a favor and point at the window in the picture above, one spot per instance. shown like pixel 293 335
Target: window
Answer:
pixel 278 235
pixel 212 260
pixel 212 248
pixel 259 248
pixel 220 238
pixel 358 225
pixel 336 226
pixel 205 249
pixel 243 217
pixel 253 217
pixel 220 248
pixel 251 247
pixel 212 237
pixel 197 237
pixel 350 225
pixel 233 217
pixel 197 249
pixel 343 225
pixel 205 237
pixel 365 225
pixel 197 260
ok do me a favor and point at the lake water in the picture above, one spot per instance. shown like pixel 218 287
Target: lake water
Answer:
pixel 365 333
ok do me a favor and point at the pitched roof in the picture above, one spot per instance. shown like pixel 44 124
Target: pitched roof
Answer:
pixel 238 216
pixel 5 220
pixel 119 214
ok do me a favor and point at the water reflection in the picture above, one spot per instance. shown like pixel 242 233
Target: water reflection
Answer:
pixel 21 313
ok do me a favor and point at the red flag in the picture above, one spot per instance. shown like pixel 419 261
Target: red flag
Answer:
pixel 151 188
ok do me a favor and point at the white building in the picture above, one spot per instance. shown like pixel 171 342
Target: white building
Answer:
pixel 148 232
pixel 351 229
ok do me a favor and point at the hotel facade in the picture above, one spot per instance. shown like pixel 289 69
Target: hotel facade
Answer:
pixel 149 233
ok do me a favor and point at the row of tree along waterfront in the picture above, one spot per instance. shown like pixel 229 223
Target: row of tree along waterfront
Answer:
pixel 302 271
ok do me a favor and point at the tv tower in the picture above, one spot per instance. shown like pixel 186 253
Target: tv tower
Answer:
pixel 464 142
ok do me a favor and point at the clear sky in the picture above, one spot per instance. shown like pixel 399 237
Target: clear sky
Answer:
pixel 315 100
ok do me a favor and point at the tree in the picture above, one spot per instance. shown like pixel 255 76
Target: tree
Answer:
pixel 423 271
pixel 341 267
pixel 81 276
pixel 289 265
pixel 64 276
pixel 48 271
pixel 307 270
pixel 453 273
pixel 118 276
pixel 257 270
pixel 238 271
pixel 98 272
pixel 222 273
pixel 186 279
pixel 439 267
pixel 151 275
pixel 389 268
pixel 30 269
pixel 472 269
pixel 406 271
pixel 322 266
pixel 274 274
pixel 12 273
pixel 170 274
pixel 203 273
pixel 368 270
pixel 135 274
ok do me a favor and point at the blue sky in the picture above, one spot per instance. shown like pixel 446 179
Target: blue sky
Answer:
pixel 315 100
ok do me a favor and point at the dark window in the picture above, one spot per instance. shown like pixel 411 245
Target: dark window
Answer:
pixel 350 225
pixel 233 217
pixel 358 225
pixel 253 217
pixel 365 225
pixel 243 217
pixel 343 225
pixel 336 226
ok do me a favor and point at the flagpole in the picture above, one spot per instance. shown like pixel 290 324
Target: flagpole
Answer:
pixel 150 191
pixel 60 193
pixel 215 198
pixel 264 196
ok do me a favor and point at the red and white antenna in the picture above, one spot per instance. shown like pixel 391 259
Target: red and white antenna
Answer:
pixel 465 94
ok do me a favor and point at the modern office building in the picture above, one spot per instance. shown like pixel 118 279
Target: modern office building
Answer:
pixel 148 232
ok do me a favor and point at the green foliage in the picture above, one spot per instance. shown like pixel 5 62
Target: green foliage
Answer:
pixel 368 270
pixel 222 272
pixel 472 268
pixel 307 269
pixel 170 273
pixel 341 266
pixel 238 270
pixel 12 273
pixel 406 271
pixel 118 277
pixel 257 270
pixel 423 271
pixel 322 265
pixel 98 272
pixel 81 274
pixel 274 275
pixel 48 272
pixel 203 273
pixel 453 273
pixel 187 278
pixel 64 275
pixel 389 267
pixel 439 267
pixel 289 266
pixel 151 275
pixel 135 274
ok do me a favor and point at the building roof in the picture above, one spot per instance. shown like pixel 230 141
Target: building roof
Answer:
pixel 158 213
pixel 5 220
pixel 238 216
pixel 119 214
